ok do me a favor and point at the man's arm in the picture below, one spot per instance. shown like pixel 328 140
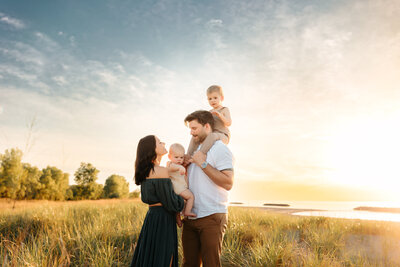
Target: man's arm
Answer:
pixel 223 179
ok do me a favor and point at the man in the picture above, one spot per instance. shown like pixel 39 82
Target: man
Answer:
pixel 210 178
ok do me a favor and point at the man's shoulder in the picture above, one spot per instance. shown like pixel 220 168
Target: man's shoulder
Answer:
pixel 219 147
pixel 219 144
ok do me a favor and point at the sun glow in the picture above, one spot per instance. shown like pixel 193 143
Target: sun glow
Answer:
pixel 365 153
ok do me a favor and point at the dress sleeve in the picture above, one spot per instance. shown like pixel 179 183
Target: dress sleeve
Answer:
pixel 170 201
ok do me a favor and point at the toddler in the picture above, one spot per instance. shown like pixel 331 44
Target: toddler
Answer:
pixel 179 180
pixel 222 118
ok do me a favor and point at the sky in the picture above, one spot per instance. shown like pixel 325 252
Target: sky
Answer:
pixel 313 88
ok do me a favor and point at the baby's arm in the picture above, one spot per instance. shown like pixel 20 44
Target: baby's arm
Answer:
pixel 172 167
pixel 182 170
pixel 225 116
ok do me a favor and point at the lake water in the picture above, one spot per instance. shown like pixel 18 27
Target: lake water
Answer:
pixel 335 209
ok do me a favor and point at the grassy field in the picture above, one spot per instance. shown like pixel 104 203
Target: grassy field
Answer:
pixel 104 232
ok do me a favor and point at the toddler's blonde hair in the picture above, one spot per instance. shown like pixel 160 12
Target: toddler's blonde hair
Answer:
pixel 215 88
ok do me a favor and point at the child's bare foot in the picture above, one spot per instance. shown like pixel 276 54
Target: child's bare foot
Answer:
pixel 190 214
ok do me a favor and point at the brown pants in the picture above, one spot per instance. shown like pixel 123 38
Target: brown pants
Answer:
pixel 202 240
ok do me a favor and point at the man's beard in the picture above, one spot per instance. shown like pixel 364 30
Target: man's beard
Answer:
pixel 200 138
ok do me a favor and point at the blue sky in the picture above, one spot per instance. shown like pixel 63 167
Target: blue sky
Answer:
pixel 303 79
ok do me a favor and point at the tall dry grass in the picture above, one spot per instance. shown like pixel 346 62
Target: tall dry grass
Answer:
pixel 103 233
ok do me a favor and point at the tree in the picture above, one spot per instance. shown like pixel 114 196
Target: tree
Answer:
pixel 134 194
pixel 22 181
pixel 12 174
pixel 93 191
pixel 87 188
pixel 116 187
pixel 75 192
pixel 86 174
pixel 54 184
pixel 30 182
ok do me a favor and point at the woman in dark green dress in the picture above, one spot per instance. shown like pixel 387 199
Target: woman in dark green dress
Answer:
pixel 157 245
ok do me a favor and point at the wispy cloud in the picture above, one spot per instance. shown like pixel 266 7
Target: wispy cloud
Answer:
pixel 18 73
pixel 13 22
pixel 214 23
pixel 60 80
pixel 22 53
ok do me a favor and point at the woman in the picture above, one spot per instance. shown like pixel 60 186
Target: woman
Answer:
pixel 158 243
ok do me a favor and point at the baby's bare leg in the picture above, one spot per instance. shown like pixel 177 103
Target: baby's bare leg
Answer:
pixel 189 197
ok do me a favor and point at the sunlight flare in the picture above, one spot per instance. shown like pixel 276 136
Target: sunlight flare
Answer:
pixel 365 153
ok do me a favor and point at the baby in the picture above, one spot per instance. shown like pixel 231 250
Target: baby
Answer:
pixel 222 118
pixel 179 180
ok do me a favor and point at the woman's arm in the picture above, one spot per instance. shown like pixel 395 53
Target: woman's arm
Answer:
pixel 165 192
pixel 169 200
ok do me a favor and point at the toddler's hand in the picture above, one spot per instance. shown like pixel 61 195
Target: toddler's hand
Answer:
pixel 217 113
pixel 182 171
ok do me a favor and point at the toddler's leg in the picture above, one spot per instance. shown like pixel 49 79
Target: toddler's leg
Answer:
pixel 210 140
pixel 223 138
pixel 192 147
pixel 189 197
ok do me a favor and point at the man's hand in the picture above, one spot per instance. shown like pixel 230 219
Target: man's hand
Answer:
pixel 199 157
pixel 186 160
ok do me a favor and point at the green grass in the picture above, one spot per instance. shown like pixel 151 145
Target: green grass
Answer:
pixel 103 233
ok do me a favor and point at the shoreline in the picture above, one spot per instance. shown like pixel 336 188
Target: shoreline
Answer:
pixel 336 214
pixel 280 210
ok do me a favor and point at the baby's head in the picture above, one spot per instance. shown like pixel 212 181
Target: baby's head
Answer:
pixel 176 153
pixel 215 96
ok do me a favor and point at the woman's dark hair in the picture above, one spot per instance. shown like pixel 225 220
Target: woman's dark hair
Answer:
pixel 145 156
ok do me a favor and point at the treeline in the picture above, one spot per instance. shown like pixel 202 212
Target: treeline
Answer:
pixel 21 181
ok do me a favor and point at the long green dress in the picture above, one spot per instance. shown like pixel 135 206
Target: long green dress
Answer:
pixel 158 240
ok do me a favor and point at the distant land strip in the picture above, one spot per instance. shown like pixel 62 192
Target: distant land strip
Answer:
pixel 379 209
pixel 276 204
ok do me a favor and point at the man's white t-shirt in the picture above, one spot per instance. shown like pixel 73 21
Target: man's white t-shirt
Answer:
pixel 210 198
